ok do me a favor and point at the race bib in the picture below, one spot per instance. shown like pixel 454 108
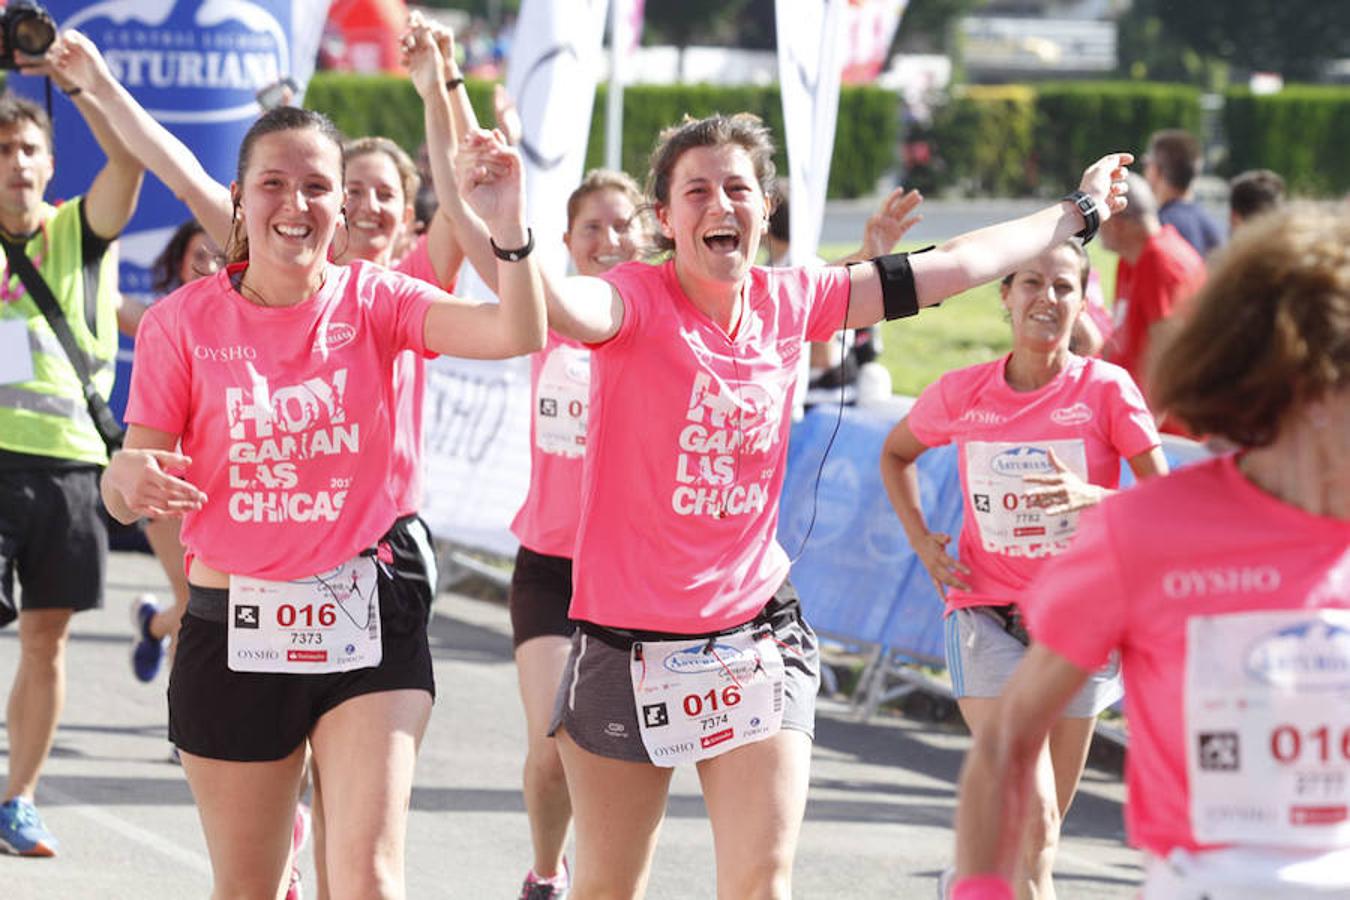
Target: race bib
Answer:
pixel 1268 727
pixel 1007 519
pixel 564 394
pixel 701 697
pixel 16 358
pixel 328 622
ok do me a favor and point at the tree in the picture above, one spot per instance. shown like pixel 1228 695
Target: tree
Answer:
pixel 1295 38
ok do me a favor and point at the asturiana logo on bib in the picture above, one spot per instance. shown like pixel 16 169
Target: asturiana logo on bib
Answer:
pixel 1312 656
pixel 701 659
pixel 1022 461
pixel 1182 583
pixel 1078 414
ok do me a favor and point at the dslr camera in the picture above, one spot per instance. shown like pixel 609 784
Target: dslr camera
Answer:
pixel 24 25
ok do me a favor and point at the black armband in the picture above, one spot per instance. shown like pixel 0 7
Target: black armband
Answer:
pixel 899 296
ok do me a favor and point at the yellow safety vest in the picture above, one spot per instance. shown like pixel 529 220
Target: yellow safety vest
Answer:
pixel 47 415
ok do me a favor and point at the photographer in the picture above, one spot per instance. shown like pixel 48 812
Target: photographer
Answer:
pixel 51 528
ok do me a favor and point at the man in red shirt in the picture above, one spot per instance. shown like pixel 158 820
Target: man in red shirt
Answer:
pixel 1158 270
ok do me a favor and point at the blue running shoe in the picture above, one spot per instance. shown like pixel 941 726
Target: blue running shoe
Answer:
pixel 22 831
pixel 147 655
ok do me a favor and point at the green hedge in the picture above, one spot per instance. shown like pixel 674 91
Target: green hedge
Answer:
pixel 1079 122
pixel 1303 132
pixel 865 136
pixel 983 140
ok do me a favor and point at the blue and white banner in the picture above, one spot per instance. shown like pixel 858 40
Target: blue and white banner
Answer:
pixel 196 66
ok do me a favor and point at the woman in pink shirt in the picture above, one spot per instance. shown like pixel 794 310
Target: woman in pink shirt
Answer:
pixel 1225 589
pixel 1039 436
pixel 274 375
pixel 690 644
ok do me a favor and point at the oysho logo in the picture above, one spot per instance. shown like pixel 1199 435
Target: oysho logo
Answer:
pixel 248 653
pixel 1077 414
pixel 695 659
pixel 334 335
pixel 1312 656
pixel 169 53
pixel 225 354
pixel 1180 584
pixel 1021 461
pixel 982 416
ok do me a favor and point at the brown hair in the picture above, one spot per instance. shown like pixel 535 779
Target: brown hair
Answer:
pixel 274 121
pixel 598 180
pixel 1176 154
pixel 1268 333
pixel 1084 263
pixel 743 129
pixel 1254 192
pixel 16 110
pixel 407 170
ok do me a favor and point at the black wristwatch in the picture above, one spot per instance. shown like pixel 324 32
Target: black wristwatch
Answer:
pixel 516 254
pixel 1088 207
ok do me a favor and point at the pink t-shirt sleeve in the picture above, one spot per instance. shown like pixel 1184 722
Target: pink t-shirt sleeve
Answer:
pixel 1080 608
pixel 1133 429
pixel 828 295
pixel 160 375
pixel 633 281
pixel 401 311
pixel 930 418
pixel 417 264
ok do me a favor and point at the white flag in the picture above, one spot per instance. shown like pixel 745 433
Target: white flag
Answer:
pixel 810 55
pixel 552 76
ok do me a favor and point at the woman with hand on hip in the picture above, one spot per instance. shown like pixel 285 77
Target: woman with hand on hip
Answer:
pixel 1225 588
pixel 1039 436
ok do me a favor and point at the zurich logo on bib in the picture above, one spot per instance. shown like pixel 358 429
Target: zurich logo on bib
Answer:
pixel 1313 656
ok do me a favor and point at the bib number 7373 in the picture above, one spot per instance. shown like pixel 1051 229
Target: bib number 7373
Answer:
pixel 329 622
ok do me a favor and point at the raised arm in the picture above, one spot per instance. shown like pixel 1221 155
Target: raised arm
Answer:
pixel 79 62
pixel 990 253
pixel 112 195
pixel 492 181
pixel 422 58
pixel 884 228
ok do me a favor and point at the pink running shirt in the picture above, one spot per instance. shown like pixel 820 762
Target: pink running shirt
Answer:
pixel 284 412
pixel 409 385
pixel 560 379
pixel 686 447
pixel 1203 541
pixel 1091 413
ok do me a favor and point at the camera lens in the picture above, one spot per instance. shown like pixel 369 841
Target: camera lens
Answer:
pixel 33 34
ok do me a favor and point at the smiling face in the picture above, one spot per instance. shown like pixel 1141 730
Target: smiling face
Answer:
pixel 604 232
pixel 377 209
pixel 716 214
pixel 25 167
pixel 1044 299
pixel 290 197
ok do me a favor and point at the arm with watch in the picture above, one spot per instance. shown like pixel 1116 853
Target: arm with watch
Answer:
pixel 901 284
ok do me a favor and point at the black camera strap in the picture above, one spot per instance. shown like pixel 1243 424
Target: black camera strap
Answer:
pixel 32 279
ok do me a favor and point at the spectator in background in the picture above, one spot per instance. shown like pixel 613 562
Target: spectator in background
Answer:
pixel 1170 167
pixel 1156 272
pixel 1252 193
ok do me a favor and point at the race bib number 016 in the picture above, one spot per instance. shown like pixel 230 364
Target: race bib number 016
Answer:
pixel 699 698
pixel 1009 521
pixel 1268 727
pixel 325 623
pixel 564 393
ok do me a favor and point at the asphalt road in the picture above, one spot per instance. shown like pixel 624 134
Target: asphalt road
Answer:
pixel 878 822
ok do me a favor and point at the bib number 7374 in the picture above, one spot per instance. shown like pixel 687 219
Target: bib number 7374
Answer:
pixel 699 698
